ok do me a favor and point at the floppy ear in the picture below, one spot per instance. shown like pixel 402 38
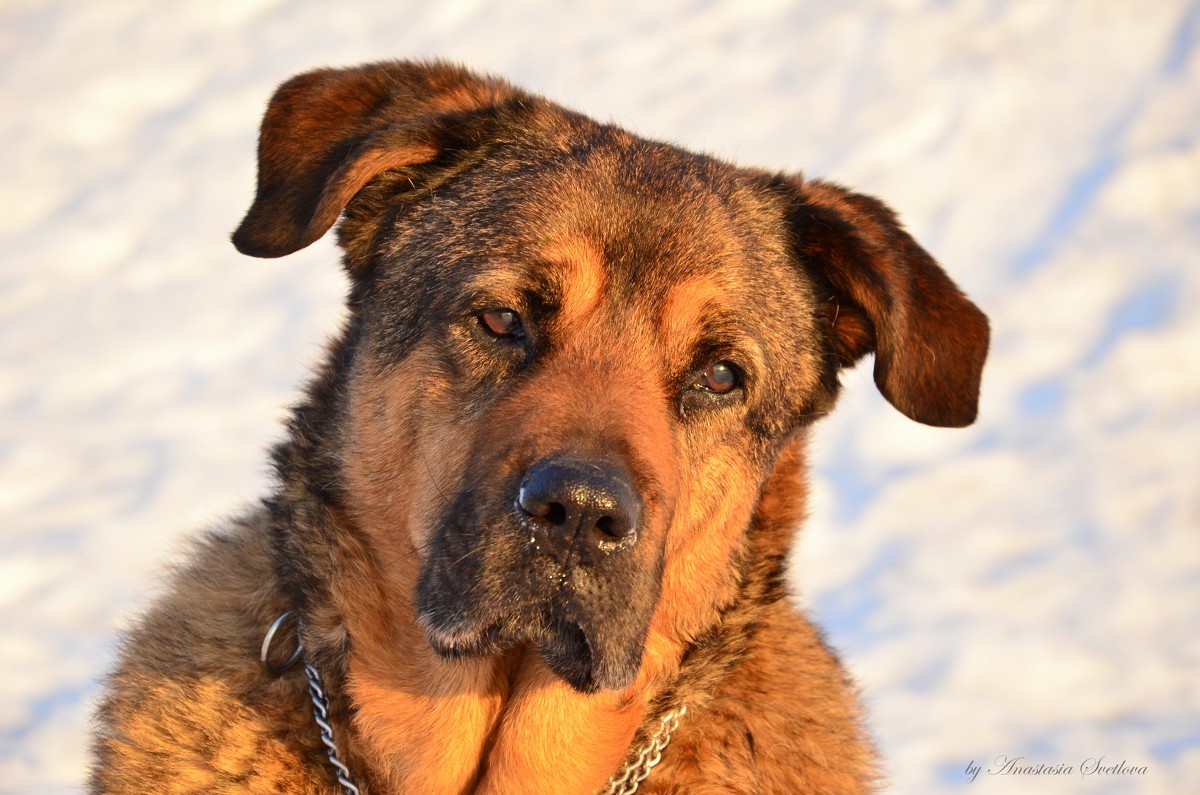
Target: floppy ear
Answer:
pixel 328 132
pixel 888 295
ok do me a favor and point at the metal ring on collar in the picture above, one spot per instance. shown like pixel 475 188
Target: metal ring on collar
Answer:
pixel 266 647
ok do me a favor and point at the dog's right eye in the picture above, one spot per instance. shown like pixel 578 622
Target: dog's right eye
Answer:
pixel 503 323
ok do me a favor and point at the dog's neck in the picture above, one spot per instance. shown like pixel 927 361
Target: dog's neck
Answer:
pixel 503 723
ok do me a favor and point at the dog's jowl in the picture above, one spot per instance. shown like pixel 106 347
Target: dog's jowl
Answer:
pixel 531 516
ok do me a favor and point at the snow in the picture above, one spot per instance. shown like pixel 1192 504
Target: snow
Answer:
pixel 1025 587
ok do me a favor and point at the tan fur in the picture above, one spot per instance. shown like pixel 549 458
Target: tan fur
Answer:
pixel 790 702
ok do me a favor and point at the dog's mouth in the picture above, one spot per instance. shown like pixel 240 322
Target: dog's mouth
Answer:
pixel 589 655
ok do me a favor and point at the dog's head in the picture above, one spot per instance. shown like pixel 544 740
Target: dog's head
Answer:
pixel 574 355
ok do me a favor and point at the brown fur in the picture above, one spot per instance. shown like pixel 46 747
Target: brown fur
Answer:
pixel 469 646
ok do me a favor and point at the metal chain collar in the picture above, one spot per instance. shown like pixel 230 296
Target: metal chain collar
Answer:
pixel 321 716
pixel 316 694
pixel 635 771
pixel 626 782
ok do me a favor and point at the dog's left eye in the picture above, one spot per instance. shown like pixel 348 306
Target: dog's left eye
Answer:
pixel 504 323
pixel 719 377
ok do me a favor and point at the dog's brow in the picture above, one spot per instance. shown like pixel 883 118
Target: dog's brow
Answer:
pixel 699 317
pixel 690 306
pixel 506 286
pixel 575 270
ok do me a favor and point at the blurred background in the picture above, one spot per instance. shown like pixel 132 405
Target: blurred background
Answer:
pixel 1027 587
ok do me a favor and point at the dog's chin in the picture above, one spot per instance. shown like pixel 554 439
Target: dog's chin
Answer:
pixel 584 660
pixel 581 657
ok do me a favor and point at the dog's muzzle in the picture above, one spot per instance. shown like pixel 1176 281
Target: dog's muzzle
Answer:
pixel 555 559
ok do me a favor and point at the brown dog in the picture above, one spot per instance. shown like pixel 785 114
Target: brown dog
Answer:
pixel 533 513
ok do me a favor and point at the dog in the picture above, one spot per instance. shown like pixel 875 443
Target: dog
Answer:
pixel 532 514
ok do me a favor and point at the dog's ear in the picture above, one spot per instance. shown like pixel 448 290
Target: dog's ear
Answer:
pixel 887 294
pixel 328 132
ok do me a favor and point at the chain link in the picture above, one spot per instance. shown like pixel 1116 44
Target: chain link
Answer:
pixel 627 781
pixel 321 716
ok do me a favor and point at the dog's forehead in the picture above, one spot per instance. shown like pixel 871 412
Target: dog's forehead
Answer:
pixel 594 208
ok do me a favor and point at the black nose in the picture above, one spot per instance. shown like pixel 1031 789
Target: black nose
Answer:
pixel 576 497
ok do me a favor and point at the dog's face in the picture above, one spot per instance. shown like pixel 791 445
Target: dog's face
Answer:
pixel 575 354
pixel 609 379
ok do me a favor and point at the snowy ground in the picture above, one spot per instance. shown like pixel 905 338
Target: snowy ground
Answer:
pixel 1027 587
